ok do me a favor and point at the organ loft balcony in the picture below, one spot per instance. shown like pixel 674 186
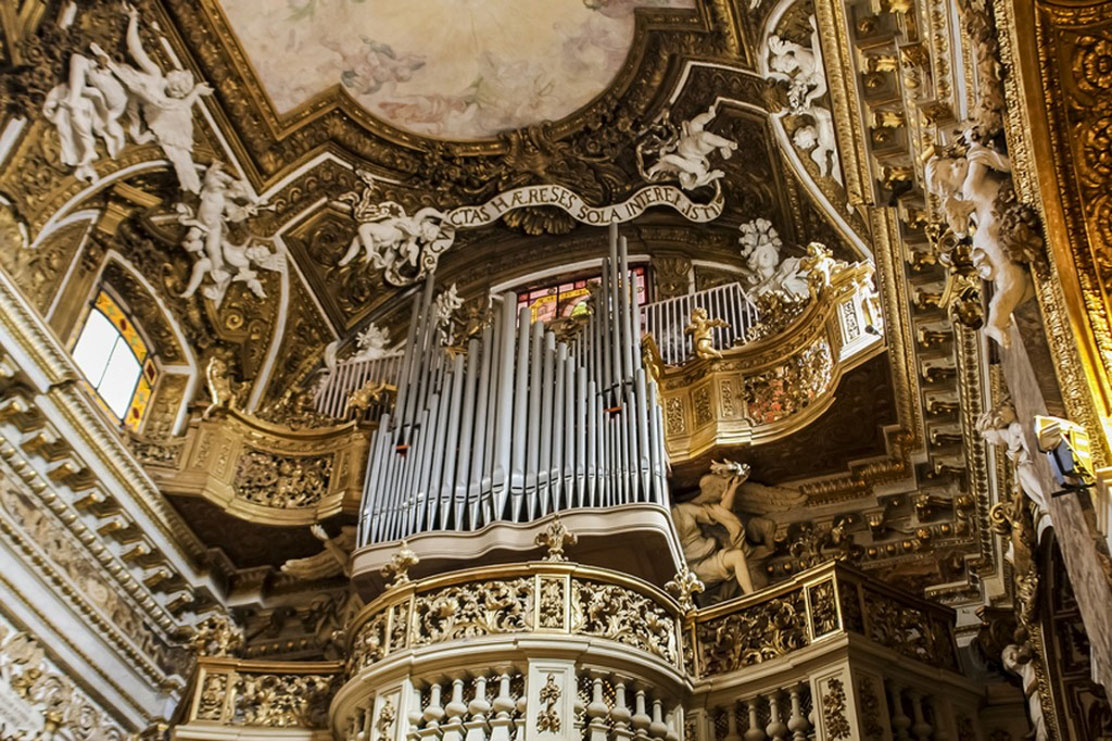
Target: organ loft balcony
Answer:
pixel 678 383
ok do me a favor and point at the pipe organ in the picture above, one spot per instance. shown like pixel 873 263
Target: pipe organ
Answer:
pixel 520 426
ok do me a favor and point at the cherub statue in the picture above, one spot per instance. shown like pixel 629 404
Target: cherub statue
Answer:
pixel 222 393
pixel 366 395
pixel 819 139
pixel 801 68
pixel 686 155
pixel 332 561
pixel 165 99
pixel 224 200
pixel 970 187
pixel 371 344
pixel 701 330
pixel 87 106
pixel 1000 427
pixel 760 246
pixel 819 266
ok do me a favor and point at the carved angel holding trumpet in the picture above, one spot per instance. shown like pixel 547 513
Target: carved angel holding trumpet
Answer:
pixel 719 547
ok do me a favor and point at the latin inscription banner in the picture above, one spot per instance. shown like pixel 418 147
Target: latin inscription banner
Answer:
pixel 557 196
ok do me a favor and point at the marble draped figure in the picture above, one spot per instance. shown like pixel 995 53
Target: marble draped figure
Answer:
pixel 718 546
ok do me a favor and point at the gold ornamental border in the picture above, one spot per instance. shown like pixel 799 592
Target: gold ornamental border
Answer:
pixel 396 608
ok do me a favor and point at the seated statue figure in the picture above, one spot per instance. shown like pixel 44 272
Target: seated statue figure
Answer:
pixel 718 559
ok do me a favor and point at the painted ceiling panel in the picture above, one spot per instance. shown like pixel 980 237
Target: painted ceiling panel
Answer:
pixel 455 69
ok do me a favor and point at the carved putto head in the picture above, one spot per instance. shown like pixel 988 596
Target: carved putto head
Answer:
pixel 179 83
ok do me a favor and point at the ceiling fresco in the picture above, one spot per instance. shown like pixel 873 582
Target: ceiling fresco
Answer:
pixel 484 67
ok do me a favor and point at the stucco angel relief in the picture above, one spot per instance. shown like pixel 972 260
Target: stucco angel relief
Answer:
pixel 974 183
pixel 404 247
pixel 224 201
pixel 158 104
pixel 801 69
pixel 683 152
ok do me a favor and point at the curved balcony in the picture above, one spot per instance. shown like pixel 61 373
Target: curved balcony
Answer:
pixel 555 650
pixel 783 374
pixel 512 650
pixel 262 472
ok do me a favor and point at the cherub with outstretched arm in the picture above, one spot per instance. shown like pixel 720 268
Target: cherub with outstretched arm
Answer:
pixel 166 100
pixel 701 331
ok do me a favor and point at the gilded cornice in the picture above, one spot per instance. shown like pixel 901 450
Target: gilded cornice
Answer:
pixel 1057 100
pixel 45 362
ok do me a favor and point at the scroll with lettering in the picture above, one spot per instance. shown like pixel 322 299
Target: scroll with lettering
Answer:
pixel 557 196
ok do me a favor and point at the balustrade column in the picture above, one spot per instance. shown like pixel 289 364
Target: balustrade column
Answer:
pixel 478 708
pixel 455 710
pixel 921 728
pixel 776 729
pixel 755 732
pixel 731 724
pixel 597 712
pixel 900 721
pixel 503 708
pixel 798 724
pixel 621 715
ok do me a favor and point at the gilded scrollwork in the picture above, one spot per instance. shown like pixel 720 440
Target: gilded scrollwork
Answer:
pixel 790 387
pixel 909 630
pixel 552 603
pixel 47 700
pixel 283 700
pixel 834 710
pixel 482 608
pixel 620 614
pixel 283 481
pixel 213 693
pixel 824 609
pixel 369 644
pixel 752 635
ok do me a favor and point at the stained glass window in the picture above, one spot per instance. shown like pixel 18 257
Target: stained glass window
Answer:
pixel 115 361
pixel 567 297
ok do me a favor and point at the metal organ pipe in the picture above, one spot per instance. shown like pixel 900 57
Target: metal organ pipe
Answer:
pixel 524 425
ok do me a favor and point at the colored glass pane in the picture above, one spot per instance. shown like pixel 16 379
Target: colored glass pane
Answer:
pixel 115 361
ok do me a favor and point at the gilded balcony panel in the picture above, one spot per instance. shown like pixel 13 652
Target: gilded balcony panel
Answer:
pixel 262 472
pixel 538 597
pixel 233 698
pixel 782 378
pixel 819 605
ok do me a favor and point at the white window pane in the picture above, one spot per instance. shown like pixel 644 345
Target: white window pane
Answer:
pixel 94 346
pixel 120 377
